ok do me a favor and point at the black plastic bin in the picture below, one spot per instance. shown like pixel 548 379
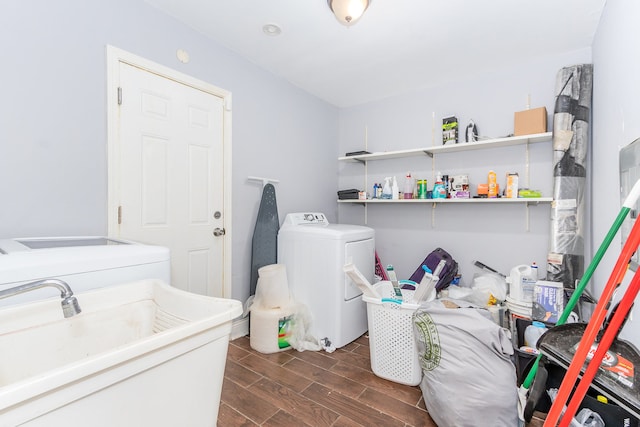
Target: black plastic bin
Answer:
pixel 522 358
pixel 612 414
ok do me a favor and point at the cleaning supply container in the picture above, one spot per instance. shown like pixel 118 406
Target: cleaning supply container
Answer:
pixel 408 186
pixel 272 311
pixel 493 185
pixel 533 332
pixel 394 355
pixel 521 283
pixel 270 329
pixel 439 191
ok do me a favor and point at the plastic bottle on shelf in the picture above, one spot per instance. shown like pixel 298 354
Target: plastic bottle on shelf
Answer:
pixel 439 191
pixel 533 332
pixel 394 189
pixel 386 190
pixel 492 185
pixel 408 186
pixel 374 195
pixel 379 191
pixel 445 182
pixel 534 271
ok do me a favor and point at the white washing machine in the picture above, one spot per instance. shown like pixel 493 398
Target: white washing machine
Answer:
pixel 85 263
pixel 314 253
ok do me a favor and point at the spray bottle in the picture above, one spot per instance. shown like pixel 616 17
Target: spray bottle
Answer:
pixel 386 190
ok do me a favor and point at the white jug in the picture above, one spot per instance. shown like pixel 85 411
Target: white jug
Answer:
pixel 521 283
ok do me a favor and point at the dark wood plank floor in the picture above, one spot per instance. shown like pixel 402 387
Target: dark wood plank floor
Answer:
pixel 309 388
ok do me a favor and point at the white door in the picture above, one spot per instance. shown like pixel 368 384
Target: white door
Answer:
pixel 170 172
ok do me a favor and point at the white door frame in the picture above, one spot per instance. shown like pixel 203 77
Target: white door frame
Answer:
pixel 114 57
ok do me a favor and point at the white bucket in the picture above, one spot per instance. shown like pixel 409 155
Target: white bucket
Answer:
pixel 519 308
pixel 270 329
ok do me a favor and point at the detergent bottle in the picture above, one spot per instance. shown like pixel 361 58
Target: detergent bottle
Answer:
pixel 521 284
pixel 439 190
pixel 533 332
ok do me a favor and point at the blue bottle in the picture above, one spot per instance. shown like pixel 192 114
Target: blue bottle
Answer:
pixel 439 190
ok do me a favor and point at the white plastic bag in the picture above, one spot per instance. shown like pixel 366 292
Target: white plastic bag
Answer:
pixel 300 338
pixel 485 290
pixel 461 292
pixel 272 289
pixel 489 289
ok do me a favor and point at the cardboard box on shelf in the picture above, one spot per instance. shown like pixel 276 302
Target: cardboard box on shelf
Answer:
pixel 459 182
pixel 483 189
pixel 512 185
pixel 449 130
pixel 529 122
pixel 461 195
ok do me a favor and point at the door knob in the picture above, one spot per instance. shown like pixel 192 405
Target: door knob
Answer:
pixel 219 232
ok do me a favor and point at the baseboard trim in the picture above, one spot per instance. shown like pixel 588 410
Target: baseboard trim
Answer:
pixel 239 328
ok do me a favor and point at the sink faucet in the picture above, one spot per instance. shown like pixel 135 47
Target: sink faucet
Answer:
pixel 70 306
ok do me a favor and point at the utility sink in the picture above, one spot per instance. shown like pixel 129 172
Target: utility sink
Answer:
pixel 141 353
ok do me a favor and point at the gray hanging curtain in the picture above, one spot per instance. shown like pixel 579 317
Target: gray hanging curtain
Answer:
pixel 571 129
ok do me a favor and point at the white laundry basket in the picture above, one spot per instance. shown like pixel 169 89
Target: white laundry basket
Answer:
pixel 394 355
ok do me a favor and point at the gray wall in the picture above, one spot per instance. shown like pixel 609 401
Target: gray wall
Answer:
pixel 53 134
pixel 616 123
pixel 53 166
pixel 497 235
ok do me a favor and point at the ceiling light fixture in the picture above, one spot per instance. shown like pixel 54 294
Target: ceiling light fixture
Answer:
pixel 348 12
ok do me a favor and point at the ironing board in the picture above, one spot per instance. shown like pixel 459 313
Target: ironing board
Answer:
pixel 264 246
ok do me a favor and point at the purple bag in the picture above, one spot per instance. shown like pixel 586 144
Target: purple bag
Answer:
pixel 432 260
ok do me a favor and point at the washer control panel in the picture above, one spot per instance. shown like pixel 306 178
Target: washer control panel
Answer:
pixel 306 218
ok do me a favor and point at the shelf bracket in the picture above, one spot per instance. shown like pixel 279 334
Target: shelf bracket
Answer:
pixel 364 162
pixel 433 214
pixel 428 153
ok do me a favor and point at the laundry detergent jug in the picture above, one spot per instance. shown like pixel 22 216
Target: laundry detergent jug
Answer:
pixel 521 283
